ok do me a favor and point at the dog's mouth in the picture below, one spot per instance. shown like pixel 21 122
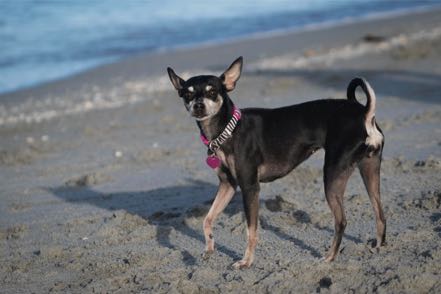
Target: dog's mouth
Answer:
pixel 199 114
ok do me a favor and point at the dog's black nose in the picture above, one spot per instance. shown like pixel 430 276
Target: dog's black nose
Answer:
pixel 199 106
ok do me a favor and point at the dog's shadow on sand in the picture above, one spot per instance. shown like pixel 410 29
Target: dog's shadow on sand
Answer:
pixel 165 208
pixel 169 208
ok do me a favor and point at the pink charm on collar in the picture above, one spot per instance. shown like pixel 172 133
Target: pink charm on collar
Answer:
pixel 213 161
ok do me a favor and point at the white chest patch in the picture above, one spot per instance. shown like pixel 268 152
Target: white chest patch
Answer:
pixel 228 161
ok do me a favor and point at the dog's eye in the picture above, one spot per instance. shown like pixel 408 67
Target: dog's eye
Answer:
pixel 188 95
pixel 212 93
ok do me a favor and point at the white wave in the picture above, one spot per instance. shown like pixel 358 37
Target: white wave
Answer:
pixel 93 98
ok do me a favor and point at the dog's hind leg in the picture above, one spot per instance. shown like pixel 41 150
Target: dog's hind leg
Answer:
pixel 336 177
pixel 223 197
pixel 370 172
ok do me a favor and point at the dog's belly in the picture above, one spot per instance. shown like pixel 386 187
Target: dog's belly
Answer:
pixel 272 170
pixel 275 167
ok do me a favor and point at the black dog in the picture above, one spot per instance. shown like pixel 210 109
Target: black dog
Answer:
pixel 261 145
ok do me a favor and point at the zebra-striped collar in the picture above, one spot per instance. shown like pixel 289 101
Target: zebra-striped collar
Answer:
pixel 215 144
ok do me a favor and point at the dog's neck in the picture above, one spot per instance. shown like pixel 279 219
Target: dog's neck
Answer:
pixel 212 127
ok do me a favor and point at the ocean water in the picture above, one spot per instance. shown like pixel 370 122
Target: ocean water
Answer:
pixel 46 40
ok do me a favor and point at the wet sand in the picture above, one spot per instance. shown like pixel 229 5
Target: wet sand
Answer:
pixel 104 185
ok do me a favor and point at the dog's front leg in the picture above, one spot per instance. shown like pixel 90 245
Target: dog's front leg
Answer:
pixel 224 194
pixel 250 191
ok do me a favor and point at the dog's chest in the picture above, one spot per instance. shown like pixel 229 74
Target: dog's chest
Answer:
pixel 227 161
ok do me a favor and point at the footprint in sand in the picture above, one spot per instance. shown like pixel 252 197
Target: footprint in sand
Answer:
pixel 88 180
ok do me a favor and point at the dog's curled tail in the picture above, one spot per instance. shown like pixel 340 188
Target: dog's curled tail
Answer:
pixel 368 91
pixel 375 138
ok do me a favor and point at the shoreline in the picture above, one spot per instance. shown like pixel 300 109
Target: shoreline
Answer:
pixel 348 20
pixel 136 78
pixel 267 42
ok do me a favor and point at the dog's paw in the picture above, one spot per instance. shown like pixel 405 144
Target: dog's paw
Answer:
pixel 376 244
pixel 242 264
pixel 207 254
pixel 328 258
pixel 380 244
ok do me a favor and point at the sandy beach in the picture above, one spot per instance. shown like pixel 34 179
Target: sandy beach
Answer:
pixel 104 185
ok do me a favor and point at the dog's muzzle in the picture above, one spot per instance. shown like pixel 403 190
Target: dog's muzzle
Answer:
pixel 199 110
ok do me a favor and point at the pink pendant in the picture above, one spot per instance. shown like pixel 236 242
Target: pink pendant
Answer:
pixel 213 161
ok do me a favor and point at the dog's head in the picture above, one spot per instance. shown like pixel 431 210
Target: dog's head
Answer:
pixel 204 95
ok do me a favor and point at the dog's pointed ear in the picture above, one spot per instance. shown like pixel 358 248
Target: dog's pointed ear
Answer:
pixel 232 74
pixel 177 81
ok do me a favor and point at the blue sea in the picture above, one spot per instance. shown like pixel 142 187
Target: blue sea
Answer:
pixel 46 40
